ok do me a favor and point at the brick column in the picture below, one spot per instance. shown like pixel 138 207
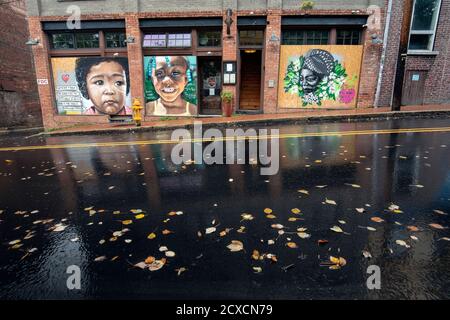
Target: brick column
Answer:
pixel 42 68
pixel 135 57
pixel 272 60
pixel 229 53
pixel 370 64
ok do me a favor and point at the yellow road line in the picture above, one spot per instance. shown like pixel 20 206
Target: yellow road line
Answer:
pixel 279 136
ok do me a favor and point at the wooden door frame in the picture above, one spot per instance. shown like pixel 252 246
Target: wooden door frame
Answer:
pixel 239 80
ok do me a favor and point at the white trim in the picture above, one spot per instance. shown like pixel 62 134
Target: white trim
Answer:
pixel 425 32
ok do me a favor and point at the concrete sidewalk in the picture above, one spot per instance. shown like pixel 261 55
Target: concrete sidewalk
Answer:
pixel 237 120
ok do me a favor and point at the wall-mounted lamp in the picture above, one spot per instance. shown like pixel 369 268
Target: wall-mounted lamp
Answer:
pixel 129 39
pixel 32 42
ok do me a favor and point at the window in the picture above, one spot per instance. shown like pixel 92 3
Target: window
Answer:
pixel 171 40
pixel 86 40
pixel 251 37
pixel 209 38
pixel 304 37
pixel 62 41
pixel 115 39
pixel 423 26
pixel 348 37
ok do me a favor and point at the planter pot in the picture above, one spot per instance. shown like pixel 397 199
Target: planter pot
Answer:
pixel 227 109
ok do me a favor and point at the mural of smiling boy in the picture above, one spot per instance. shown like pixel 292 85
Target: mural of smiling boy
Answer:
pixel 170 86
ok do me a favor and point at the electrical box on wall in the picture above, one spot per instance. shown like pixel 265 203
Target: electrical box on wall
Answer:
pixel 229 72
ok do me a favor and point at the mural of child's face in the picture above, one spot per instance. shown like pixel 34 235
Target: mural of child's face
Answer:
pixel 170 80
pixel 309 80
pixel 107 86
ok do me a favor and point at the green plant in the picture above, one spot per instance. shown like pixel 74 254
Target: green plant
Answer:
pixel 307 5
pixel 226 96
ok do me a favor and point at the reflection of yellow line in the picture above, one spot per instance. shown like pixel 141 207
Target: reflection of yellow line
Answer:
pixel 279 136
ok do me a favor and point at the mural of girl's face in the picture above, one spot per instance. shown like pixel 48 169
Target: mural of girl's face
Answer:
pixel 170 79
pixel 107 86
pixel 309 80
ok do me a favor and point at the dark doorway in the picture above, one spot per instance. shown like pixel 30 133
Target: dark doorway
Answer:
pixel 210 85
pixel 250 80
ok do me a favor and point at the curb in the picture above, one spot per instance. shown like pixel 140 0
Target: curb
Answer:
pixel 289 120
pixel 8 131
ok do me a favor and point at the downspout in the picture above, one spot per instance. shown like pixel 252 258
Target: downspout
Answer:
pixel 383 54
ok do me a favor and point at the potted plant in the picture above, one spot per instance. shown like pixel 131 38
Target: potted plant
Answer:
pixel 227 103
pixel 307 5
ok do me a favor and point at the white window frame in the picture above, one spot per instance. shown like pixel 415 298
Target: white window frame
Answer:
pixel 424 32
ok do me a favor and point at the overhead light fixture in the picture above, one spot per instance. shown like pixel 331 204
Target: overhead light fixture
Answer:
pixel 250 51
pixel 32 42
pixel 129 39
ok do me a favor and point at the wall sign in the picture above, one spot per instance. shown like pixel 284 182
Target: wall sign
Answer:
pixel 229 72
pixel 415 77
pixel 42 81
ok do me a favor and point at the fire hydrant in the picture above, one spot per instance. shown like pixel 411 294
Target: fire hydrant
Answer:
pixel 137 107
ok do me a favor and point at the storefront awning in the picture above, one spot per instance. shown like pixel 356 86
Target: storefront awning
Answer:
pixel 324 20
pixel 168 23
pixel 85 25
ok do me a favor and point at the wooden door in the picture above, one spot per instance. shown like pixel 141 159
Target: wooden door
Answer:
pixel 250 81
pixel 413 87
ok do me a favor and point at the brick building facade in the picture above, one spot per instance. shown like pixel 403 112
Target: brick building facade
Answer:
pixel 19 101
pixel 273 55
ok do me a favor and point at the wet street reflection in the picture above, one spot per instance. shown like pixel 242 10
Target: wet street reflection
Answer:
pixel 139 226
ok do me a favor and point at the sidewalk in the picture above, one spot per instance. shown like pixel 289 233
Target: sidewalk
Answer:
pixel 241 119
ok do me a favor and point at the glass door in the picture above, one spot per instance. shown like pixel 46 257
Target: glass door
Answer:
pixel 210 85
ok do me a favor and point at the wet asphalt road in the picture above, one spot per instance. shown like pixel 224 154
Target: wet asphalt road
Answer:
pixel 73 207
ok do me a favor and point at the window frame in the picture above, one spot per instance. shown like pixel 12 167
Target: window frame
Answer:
pixel 166 34
pixel 432 33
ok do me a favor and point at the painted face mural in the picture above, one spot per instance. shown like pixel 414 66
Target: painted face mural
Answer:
pixel 92 85
pixel 170 86
pixel 318 77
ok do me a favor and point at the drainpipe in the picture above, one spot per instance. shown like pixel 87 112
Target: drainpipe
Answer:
pixel 383 54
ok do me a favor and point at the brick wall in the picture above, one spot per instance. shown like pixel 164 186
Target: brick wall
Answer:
pixel 19 102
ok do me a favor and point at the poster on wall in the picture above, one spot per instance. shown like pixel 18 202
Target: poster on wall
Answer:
pixel 319 76
pixel 92 86
pixel 170 85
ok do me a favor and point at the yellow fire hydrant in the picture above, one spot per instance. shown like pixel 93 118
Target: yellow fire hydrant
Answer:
pixel 137 107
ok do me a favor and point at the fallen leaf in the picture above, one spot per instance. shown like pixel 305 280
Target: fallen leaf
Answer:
pixel 402 243
pixel 257 269
pixel 336 229
pixel 303 191
pixel 126 222
pixel 166 232
pixel 416 185
pixel 414 238
pixel 267 210
pixel 412 228
pixel 444 238
pixel 128 240
pixel 371 229
pixel 322 242
pixel 353 185
pixel 303 235
pixel 149 259
pixel 136 211
pixel 101 258
pixel 14 242
pixel 295 210
pixel 440 212
pixel 270 242
pixel 210 230
pixel 271 216
pixel 157 264
pixel 366 254
pixel 330 201
pixel 377 219
pixel 437 226
pixel 255 255
pixel 140 216
pixel 277 226
pixel 246 216
pixel 342 222
pixel 170 254
pixel 235 246
pixel 59 228
pixel 151 236
pixel 292 245
pixel 360 210
pixel 180 270
pixel 141 265
pixel 293 219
